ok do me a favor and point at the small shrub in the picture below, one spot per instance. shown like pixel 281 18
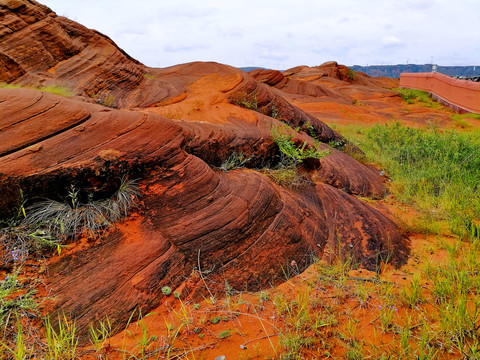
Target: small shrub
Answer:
pixel 108 101
pixel 235 161
pixel 292 154
pixel 286 176
pixel 351 74
pixel 248 101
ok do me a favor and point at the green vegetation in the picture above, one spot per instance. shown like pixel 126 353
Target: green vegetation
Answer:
pixel 351 74
pixel 439 171
pixel 235 161
pixel 61 341
pixel 49 223
pixel 413 96
pixel 166 290
pixel 291 156
pixel 54 89
pixel 460 120
pixel 243 99
pixel 15 299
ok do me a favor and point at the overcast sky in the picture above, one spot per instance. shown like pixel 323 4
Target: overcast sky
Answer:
pixel 280 34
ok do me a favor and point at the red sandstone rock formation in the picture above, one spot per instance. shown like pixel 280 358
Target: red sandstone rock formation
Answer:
pixel 173 128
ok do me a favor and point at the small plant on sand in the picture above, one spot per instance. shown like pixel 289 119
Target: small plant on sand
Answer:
pixel 216 319
pixel 387 315
pixel 15 299
pixel 225 334
pixel 412 294
pixel 166 290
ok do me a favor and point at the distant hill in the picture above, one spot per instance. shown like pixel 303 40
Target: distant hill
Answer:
pixel 394 71
pixel 250 68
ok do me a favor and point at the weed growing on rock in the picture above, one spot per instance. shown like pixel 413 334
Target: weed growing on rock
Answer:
pixel 351 74
pixel 243 99
pixel 166 290
pixel 291 156
pixel 49 223
pixel 235 161
pixel 291 153
pixel 54 89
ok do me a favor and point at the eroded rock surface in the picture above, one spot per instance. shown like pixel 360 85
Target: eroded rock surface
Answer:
pixel 171 130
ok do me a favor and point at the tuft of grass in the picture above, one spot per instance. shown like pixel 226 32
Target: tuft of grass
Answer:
pixel 460 120
pixel 57 90
pixel 412 96
pixel 61 342
pixel 438 171
pixel 412 294
pixel 100 333
pixel 235 161
pixel 48 223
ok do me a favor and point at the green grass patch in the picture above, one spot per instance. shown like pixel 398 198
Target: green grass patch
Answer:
pixel 412 96
pixel 439 171
pixel 54 89
pixel 461 120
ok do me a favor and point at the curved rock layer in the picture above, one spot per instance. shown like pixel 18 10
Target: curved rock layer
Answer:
pixel 176 127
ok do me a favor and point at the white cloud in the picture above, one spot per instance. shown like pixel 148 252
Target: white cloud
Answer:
pixel 282 33
pixel 391 41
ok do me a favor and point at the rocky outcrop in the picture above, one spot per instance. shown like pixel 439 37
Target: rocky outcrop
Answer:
pixel 174 128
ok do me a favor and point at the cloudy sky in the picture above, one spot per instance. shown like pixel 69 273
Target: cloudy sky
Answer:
pixel 281 34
